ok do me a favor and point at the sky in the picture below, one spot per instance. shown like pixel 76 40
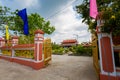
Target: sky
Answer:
pixel 60 13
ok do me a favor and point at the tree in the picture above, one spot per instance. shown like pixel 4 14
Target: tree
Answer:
pixel 15 23
pixel 5 17
pixel 35 21
pixel 55 46
pixel 111 15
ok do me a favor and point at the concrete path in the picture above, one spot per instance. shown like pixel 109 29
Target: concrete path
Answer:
pixel 61 68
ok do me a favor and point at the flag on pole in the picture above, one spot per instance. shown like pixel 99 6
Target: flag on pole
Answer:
pixel 23 14
pixel 93 9
pixel 7 33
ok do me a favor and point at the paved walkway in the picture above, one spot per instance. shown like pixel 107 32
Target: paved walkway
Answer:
pixel 61 68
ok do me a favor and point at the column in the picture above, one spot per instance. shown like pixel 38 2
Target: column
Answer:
pixel 2 42
pixel 38 41
pixel 14 42
pixel 107 63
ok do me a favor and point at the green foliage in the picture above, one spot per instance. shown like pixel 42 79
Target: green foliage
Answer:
pixel 4 18
pixel 79 49
pixel 66 50
pixel 82 51
pixel 112 20
pixel 92 26
pixel 55 46
pixel 83 9
pixel 24 53
pixel 74 50
pixel 111 15
pixel 6 52
pixel 26 39
pixel 35 21
pixel 59 51
pixel 88 51
pixel 15 23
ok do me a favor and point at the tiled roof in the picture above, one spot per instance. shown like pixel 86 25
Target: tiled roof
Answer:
pixel 39 31
pixel 15 37
pixel 69 41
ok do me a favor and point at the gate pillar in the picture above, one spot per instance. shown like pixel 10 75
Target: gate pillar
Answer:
pixel 2 42
pixel 107 63
pixel 15 40
pixel 38 41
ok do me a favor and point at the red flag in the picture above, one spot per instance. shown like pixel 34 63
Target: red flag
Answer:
pixel 93 9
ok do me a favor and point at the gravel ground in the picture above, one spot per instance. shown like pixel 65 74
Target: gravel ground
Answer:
pixel 61 68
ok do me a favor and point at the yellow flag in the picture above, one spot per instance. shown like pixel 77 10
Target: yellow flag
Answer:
pixel 7 33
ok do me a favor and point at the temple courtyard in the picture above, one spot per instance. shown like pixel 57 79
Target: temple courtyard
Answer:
pixel 62 67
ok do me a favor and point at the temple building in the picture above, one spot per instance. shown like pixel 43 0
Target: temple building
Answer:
pixel 86 44
pixel 69 43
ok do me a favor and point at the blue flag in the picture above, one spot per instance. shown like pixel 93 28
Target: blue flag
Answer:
pixel 23 14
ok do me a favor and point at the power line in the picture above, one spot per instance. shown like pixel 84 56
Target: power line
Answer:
pixel 60 10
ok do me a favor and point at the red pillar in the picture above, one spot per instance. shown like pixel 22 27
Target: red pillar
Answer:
pixel 107 63
pixel 14 42
pixel 2 42
pixel 38 40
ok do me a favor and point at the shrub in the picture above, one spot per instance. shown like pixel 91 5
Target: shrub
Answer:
pixel 66 50
pixel 82 51
pixel 59 51
pixel 79 50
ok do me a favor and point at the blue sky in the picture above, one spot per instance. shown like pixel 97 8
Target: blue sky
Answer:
pixel 60 13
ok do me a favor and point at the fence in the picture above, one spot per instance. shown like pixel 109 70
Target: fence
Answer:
pixel 27 54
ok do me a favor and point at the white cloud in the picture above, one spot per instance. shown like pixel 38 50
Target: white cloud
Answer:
pixel 27 3
pixel 20 4
pixel 65 22
pixel 68 26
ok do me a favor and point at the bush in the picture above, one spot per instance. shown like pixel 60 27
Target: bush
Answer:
pixel 59 51
pixel 66 50
pixel 79 50
pixel 88 51
pixel 82 51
